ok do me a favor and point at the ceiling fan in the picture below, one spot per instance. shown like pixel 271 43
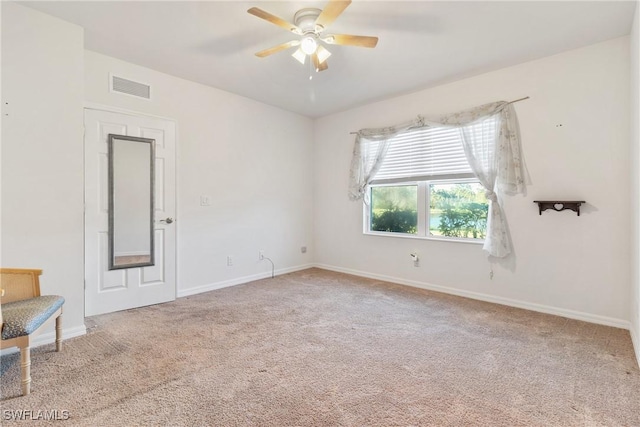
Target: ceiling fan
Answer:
pixel 310 24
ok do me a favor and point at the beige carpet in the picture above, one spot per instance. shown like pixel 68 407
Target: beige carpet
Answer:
pixel 317 348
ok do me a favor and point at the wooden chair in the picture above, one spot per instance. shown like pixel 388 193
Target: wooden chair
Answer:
pixel 24 313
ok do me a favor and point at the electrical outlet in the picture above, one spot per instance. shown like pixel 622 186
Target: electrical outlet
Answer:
pixel 260 255
pixel 229 260
pixel 416 259
pixel 303 249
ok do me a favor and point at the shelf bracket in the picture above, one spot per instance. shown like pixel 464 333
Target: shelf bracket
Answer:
pixel 559 205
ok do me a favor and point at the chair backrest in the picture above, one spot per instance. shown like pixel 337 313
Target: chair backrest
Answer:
pixel 19 283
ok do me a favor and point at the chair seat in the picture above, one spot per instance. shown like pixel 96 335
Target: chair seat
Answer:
pixel 25 316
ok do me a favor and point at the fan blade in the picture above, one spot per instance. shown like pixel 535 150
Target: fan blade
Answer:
pixel 349 40
pixel 331 12
pixel 277 48
pixel 274 20
pixel 319 66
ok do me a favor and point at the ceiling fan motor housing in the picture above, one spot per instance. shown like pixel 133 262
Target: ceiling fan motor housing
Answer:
pixel 305 19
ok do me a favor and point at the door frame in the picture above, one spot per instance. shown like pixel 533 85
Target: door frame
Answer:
pixel 88 105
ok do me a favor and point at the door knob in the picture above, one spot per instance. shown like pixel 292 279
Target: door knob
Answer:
pixel 168 220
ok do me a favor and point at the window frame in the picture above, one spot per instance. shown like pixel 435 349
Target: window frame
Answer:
pixel 423 203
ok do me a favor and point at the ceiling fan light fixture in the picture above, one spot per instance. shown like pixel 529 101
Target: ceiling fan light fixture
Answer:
pixel 322 53
pixel 309 45
pixel 300 56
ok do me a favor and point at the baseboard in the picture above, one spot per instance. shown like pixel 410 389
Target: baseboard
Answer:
pixel 571 314
pixel 49 338
pixel 636 343
pixel 239 281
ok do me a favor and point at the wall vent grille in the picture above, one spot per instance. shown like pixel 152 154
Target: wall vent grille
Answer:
pixel 129 87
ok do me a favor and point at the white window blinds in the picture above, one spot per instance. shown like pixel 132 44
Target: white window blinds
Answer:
pixel 427 153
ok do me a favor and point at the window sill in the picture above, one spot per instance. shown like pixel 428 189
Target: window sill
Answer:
pixel 433 238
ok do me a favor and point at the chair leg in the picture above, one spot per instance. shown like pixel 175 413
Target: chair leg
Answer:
pixel 25 364
pixel 59 333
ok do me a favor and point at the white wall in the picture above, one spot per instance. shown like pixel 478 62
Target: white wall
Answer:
pixel 635 181
pixel 252 159
pixel 575 131
pixel 42 161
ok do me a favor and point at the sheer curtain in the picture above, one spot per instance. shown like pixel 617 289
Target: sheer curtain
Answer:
pixel 368 153
pixel 490 137
pixel 492 147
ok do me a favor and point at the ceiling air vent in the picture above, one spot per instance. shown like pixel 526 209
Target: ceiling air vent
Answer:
pixel 129 87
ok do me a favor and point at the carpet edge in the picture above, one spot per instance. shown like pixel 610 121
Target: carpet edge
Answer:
pixel 49 338
pixel 239 280
pixel 557 311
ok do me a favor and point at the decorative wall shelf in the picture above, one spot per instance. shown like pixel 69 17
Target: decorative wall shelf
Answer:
pixel 559 205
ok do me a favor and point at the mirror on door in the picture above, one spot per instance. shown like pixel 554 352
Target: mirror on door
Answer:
pixel 131 201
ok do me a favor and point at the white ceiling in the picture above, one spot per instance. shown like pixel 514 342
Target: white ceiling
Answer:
pixel 421 43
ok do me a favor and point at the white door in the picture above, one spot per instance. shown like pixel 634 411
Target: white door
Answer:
pixel 113 290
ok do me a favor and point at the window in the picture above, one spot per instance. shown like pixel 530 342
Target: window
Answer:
pixel 447 209
pixel 457 209
pixel 425 187
pixel 394 208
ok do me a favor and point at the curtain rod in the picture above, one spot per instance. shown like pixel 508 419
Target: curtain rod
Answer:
pixel 510 102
